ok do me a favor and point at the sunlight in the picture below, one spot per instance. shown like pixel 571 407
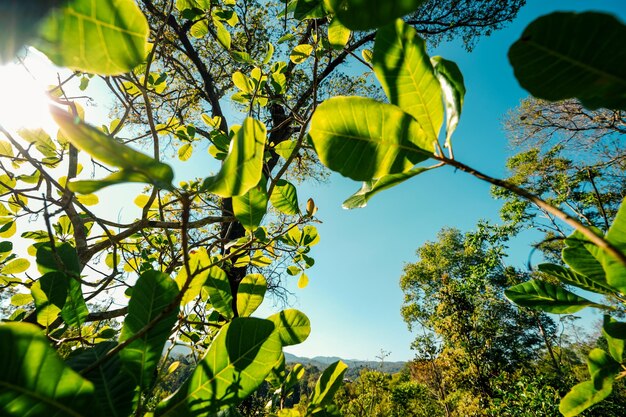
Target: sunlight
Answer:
pixel 23 100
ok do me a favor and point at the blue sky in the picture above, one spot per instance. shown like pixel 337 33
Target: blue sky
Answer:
pixel 353 298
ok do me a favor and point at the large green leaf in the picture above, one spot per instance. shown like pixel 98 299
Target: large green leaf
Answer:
pixel 404 70
pixel 547 297
pixel 107 37
pixel 114 390
pixel 363 139
pixel 571 277
pixel 615 270
pixel 134 164
pixel 453 89
pixel 577 256
pixel 50 295
pixel 251 207
pixel 370 14
pixel 152 296
pixel 63 258
pixel 327 385
pixel 603 370
pixel 250 294
pixel 292 326
pixel 615 334
pixel 567 55
pixel 373 187
pixel 220 294
pixel 237 362
pixel 34 381
pixel 285 197
pixel 75 311
pixel 242 168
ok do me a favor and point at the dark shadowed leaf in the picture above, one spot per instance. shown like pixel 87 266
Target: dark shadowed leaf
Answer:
pixel 151 299
pixel 34 381
pixel 567 55
pixel 370 14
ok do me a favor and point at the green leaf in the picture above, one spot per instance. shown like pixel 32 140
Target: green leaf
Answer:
pixel 292 326
pixel 237 362
pixel 118 177
pixel 285 197
pixel 327 385
pixel 373 187
pixel 615 334
pixel 220 294
pixel 309 9
pixel 34 381
pixel 251 207
pixel 223 35
pixel 370 14
pixel 242 168
pixel 15 266
pixel 107 37
pixel 567 55
pixel 404 70
pixel 571 277
pixel 64 258
pixel 300 53
pixel 453 89
pixel 152 297
pixel 185 151
pixel 603 370
pixel 75 311
pixel 50 294
pixel 583 396
pixel 338 34
pixel 547 297
pixel 133 163
pixel 114 390
pixel 250 294
pixel 363 139
pixel 577 256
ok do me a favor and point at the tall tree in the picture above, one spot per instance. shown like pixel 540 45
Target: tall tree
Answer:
pixel 571 156
pixel 470 332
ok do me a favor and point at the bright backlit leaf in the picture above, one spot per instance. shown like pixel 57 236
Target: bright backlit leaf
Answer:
pixel 547 297
pixel 285 197
pixel 250 294
pixel 293 326
pixel 237 362
pixel 363 139
pixel 242 168
pixel 403 68
pixel 370 14
pixel 107 37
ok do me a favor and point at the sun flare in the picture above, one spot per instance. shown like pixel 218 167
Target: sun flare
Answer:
pixel 23 99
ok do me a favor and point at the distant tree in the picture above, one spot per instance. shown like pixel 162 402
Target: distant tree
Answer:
pixel 471 333
pixel 573 158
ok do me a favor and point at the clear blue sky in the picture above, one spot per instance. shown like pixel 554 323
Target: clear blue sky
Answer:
pixel 353 298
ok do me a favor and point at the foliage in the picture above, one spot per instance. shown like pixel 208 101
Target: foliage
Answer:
pixel 184 262
pixel 570 156
pixel 453 294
